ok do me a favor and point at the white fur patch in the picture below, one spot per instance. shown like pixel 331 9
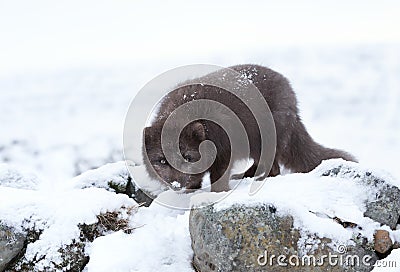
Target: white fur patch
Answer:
pixel 284 170
pixel 241 166
pixel 206 183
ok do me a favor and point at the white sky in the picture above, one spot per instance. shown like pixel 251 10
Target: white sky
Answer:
pixel 51 34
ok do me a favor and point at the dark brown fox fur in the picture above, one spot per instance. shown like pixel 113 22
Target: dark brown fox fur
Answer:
pixel 295 149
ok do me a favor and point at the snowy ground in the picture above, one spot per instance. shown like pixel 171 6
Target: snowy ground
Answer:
pixel 160 239
pixel 58 124
pixel 61 123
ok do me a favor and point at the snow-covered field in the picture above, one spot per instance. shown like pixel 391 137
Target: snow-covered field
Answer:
pixel 58 124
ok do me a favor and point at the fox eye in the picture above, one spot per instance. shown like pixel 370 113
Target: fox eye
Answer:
pixel 188 157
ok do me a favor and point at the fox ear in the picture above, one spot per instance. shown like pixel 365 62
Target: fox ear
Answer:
pixel 198 131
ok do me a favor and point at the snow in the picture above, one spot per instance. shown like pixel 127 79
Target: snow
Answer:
pixel 12 177
pixel 351 170
pixel 160 242
pixel 57 214
pixel 391 263
pixel 160 237
pixel 176 185
pixel 312 200
pixel 115 173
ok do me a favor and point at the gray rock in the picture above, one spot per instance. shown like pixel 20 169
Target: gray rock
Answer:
pixel 245 239
pixel 11 245
pixel 140 196
pixel 385 208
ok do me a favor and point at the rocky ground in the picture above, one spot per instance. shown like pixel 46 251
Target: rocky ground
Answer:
pixel 341 209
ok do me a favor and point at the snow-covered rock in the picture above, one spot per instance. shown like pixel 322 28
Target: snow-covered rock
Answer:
pixel 245 239
pixel 56 225
pixel 385 206
pixel 114 177
pixel 334 210
pixel 59 224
